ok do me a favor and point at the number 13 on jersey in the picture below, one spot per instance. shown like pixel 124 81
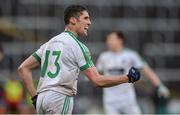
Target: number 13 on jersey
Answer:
pixel 45 69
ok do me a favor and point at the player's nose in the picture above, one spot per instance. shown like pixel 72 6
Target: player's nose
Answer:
pixel 89 22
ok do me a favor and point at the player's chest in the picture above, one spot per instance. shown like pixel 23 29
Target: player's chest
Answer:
pixel 118 62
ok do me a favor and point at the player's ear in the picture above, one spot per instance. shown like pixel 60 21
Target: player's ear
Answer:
pixel 73 20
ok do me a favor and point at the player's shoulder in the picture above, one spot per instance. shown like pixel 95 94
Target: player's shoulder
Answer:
pixel 105 54
pixel 61 36
pixel 129 51
pixel 65 38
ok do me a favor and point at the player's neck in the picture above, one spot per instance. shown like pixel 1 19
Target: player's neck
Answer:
pixel 72 30
pixel 117 50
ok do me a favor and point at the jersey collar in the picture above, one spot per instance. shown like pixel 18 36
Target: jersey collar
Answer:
pixel 70 33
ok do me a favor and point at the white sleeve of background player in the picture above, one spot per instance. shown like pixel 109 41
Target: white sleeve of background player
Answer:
pixel 83 57
pixel 138 61
pixel 38 53
pixel 100 63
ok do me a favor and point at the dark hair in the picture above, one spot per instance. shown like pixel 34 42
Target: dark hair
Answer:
pixel 73 11
pixel 120 35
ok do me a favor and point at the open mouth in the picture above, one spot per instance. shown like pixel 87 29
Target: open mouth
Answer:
pixel 86 28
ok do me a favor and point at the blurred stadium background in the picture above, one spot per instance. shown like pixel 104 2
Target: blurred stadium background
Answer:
pixel 152 27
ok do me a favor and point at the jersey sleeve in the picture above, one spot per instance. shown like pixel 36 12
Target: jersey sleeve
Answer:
pixel 83 57
pixel 138 61
pixel 38 53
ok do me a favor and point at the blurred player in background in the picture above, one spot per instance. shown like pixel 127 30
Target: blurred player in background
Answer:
pixel 61 59
pixel 13 95
pixel 117 61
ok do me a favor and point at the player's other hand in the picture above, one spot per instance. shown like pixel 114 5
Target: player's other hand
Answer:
pixel 162 91
pixel 133 75
pixel 34 99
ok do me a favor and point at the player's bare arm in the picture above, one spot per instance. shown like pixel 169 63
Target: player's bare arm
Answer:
pixel 25 72
pixel 104 81
pixel 153 77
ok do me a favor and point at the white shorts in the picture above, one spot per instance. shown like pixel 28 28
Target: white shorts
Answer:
pixel 51 102
pixel 118 108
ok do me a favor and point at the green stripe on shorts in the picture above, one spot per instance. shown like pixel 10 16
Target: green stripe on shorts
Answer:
pixel 66 105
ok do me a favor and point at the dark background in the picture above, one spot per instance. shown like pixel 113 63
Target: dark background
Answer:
pixel 151 27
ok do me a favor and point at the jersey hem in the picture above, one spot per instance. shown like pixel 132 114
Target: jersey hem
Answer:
pixel 60 90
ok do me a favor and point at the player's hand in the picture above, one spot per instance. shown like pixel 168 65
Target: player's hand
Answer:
pixel 34 99
pixel 162 91
pixel 133 75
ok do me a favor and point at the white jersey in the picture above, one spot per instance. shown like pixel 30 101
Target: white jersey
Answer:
pixel 115 64
pixel 61 58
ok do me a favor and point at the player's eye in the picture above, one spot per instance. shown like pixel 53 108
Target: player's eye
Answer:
pixel 86 17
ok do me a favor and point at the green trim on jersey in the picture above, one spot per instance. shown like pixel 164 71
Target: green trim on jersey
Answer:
pixel 88 59
pixel 36 57
pixel 86 53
